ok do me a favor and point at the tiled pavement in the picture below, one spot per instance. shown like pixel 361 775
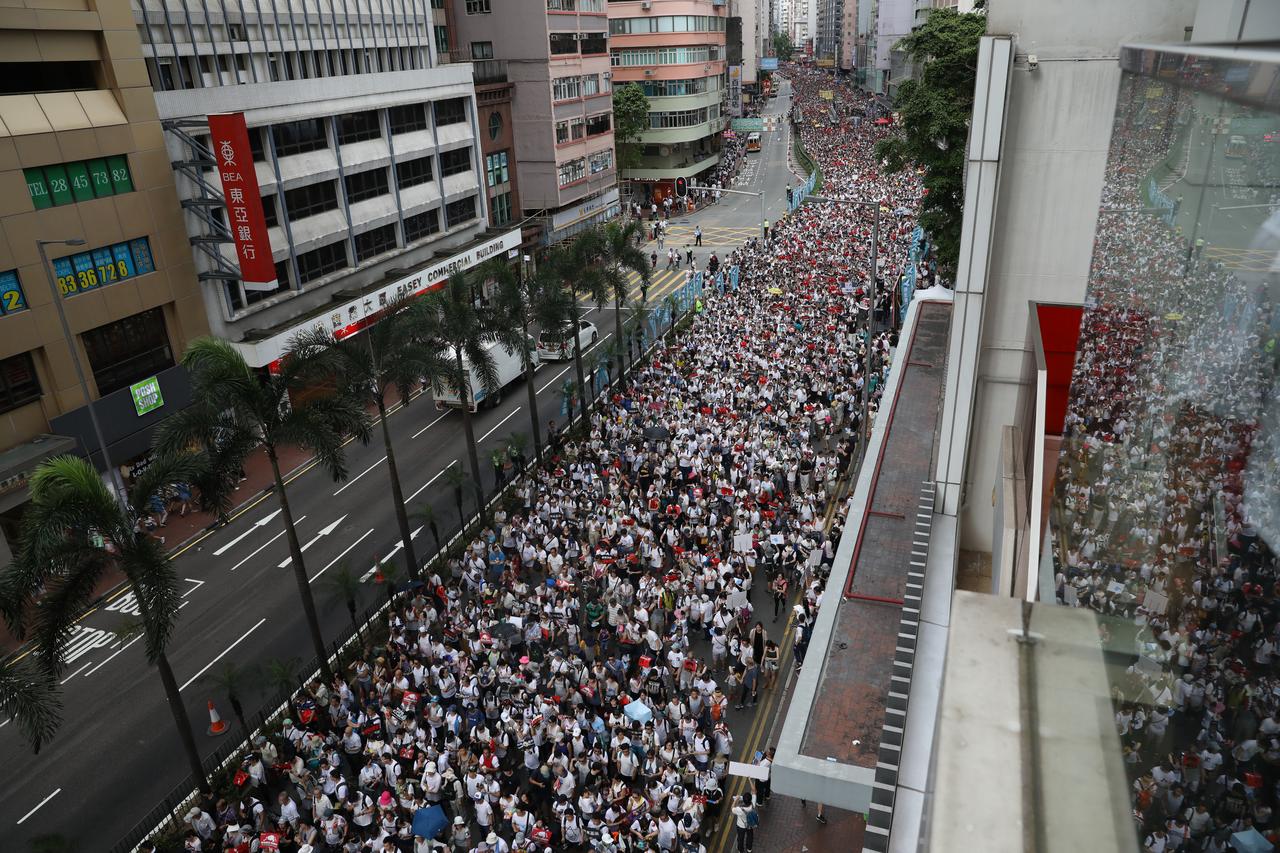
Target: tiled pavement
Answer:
pixel 787 825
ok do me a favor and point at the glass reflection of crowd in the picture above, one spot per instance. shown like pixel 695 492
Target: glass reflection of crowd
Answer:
pixel 1166 499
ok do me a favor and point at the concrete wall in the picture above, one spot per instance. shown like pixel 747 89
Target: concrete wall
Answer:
pixel 1057 132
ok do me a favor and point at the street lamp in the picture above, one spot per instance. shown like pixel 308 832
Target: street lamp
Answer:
pixel 764 235
pixel 116 485
pixel 871 316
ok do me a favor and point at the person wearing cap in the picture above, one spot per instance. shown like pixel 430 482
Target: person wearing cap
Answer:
pixel 460 836
pixel 202 823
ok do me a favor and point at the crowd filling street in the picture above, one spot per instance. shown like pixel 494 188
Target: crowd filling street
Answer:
pixel 1166 507
pixel 568 681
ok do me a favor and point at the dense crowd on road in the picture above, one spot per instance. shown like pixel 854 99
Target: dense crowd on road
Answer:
pixel 1166 504
pixel 568 681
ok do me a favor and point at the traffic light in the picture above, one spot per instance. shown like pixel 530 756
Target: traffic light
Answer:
pixel 682 187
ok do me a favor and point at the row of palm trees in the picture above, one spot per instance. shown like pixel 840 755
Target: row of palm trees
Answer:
pixel 76 530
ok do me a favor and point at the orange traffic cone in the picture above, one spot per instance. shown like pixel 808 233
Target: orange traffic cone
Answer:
pixel 217 725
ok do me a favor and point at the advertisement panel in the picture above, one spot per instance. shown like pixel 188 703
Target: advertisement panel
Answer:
pixel 229 138
pixel 735 91
pixel 768 63
pixel 747 125
pixel 826 63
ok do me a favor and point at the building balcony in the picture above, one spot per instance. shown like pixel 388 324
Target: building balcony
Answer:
pixel 490 71
pixel 681 161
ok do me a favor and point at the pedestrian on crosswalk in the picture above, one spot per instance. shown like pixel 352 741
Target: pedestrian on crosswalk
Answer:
pixel 697 236
pixel 671 257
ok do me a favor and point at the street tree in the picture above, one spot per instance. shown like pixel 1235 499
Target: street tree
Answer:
pixel 782 47
pixel 630 119
pixel 461 485
pixel 342 586
pixel 935 106
pixel 616 258
pixel 582 281
pixel 427 515
pixel 74 532
pixel 233 681
pixel 235 405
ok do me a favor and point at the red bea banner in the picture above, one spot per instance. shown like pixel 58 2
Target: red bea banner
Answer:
pixel 234 157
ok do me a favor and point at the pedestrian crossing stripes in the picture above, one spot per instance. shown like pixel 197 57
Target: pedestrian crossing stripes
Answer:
pixel 661 283
pixel 712 235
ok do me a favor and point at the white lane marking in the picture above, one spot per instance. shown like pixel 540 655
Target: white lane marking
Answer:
pixel 265 544
pixel 77 672
pixel 358 476
pixel 198 584
pixel 121 649
pixel 324 531
pixel 222 654
pixel 500 423
pixel 430 425
pixel 554 378
pixel 5 723
pixel 259 523
pixel 585 371
pixel 23 819
pixel 432 480
pixel 340 556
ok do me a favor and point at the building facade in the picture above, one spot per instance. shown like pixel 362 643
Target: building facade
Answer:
pixel 676 51
pixel 365 149
pixel 826 36
pixel 556 56
pixel 82 157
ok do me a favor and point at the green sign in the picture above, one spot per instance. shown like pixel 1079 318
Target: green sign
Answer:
pixel 747 125
pixel 67 183
pixel 146 395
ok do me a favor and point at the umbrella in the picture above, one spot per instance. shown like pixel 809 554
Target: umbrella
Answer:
pixel 776 291
pixel 638 711
pixel 1250 841
pixel 429 821
pixel 657 433
pixel 505 631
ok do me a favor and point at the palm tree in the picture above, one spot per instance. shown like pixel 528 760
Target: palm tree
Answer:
pixel 453 320
pixel 517 443
pixel 519 304
pixel 389 354
pixel 233 681
pixel 620 256
pixel 342 586
pixel 235 406
pixel 73 532
pixel 427 515
pixel 583 281
pixel 30 698
pixel 283 674
pixel 634 330
pixel 461 484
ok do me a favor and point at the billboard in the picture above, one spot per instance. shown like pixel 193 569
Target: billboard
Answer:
pixel 735 90
pixel 747 125
pixel 233 156
pixel 768 63
pixel 826 63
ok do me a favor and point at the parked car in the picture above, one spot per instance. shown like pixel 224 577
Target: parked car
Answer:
pixel 555 346
pixel 509 369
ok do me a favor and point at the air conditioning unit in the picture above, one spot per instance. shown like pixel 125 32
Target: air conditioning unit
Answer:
pixel 646 5
pixel 664 151
pixel 579 36
pixel 648 72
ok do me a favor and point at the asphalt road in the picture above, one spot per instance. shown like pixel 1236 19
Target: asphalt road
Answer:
pixel 117 753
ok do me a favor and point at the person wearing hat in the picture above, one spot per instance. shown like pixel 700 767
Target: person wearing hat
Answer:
pixel 460 837
pixel 202 823
pixel 496 844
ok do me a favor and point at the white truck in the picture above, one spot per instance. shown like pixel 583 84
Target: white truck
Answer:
pixel 509 369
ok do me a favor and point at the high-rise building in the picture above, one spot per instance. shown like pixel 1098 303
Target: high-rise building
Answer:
pixel 675 50
pixel 555 56
pixel 827 45
pixel 82 157
pixel 364 147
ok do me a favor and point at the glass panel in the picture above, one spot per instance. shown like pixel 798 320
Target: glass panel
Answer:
pixel 86 275
pixel 81 186
pixel 59 187
pixel 101 177
pixel 121 179
pixel 123 259
pixel 142 256
pixel 38 188
pixel 11 297
pixel 105 265
pixel 66 276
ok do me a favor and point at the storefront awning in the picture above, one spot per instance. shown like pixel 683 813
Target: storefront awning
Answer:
pixel 18 463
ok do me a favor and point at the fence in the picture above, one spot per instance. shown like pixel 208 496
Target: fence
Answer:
pixel 909 276
pixel 167 815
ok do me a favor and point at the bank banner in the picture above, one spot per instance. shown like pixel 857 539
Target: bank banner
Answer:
pixel 234 158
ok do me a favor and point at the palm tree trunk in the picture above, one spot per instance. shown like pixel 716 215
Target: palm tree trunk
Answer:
pixel 182 721
pixel 299 568
pixel 397 494
pixel 464 394
pixel 533 396
pixel 617 330
pixel 238 710
pixel 577 361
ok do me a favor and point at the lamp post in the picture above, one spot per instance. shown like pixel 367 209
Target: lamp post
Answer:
pixel 871 315
pixel 114 476
pixel 763 234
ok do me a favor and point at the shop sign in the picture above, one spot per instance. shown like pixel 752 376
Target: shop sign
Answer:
pixel 16 480
pixel 146 395
pixel 234 159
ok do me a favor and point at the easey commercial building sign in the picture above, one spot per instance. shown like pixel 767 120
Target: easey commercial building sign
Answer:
pixel 350 317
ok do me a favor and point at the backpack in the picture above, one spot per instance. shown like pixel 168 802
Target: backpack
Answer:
pixel 753 819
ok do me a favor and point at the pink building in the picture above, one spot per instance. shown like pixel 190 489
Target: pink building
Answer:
pixel 675 50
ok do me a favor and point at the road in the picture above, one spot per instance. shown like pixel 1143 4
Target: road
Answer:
pixel 117 754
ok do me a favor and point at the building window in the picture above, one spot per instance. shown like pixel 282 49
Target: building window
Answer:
pixel 456 212
pixel 594 44
pixel 495 166
pixel 495 125
pixel 25 78
pixel 566 88
pixel 481 50
pixel 599 124
pixel 320 262
pixel 67 183
pixel 310 200
pixel 455 162
pixel 19 384
pixel 601 161
pixel 478 7
pixel 574 170
pixel 127 350
pixel 12 299
pixel 564 43
pixel 100 267
pixel 358 127
pixel 299 137
pixel 451 111
pixel 269 210
pixel 442 40
pixel 500 208
pixel 421 225
pixel 375 242
pixel 366 185
pixel 413 172
pixel 407 118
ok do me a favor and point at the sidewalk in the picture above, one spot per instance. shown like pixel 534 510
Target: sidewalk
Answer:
pixel 785 824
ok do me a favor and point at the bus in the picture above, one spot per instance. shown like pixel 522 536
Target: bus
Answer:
pixel 753 142
pixel 1237 148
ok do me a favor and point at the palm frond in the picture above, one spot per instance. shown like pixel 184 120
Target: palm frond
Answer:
pixel 31 699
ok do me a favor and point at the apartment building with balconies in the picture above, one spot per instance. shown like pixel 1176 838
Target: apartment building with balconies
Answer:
pixel 676 51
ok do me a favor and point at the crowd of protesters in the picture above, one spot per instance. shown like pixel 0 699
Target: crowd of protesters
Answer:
pixel 568 681
pixel 1166 498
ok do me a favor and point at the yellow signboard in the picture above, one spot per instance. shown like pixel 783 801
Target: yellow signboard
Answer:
pixel 826 63
pixel 826 94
